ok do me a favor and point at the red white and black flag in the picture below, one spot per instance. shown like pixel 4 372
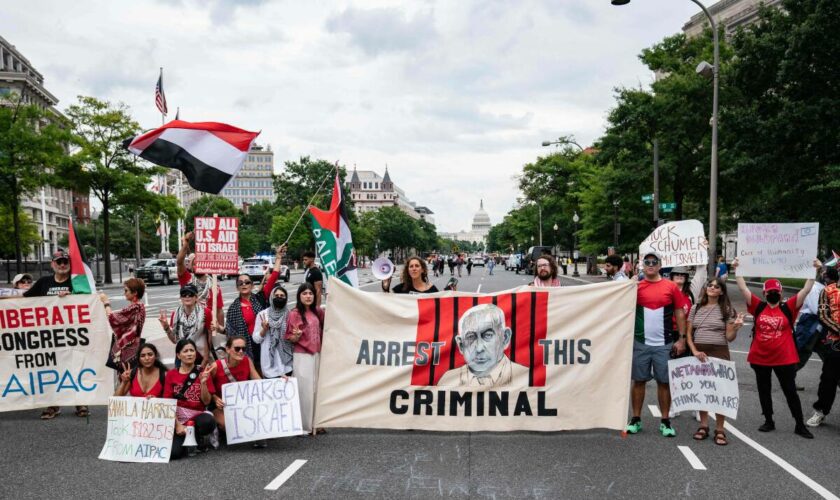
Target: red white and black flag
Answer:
pixel 160 97
pixel 209 154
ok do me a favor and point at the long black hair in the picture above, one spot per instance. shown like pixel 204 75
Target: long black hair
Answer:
pixel 157 364
pixel 301 308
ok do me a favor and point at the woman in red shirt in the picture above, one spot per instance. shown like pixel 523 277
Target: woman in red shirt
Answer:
pixel 306 327
pixel 146 379
pixel 773 348
pixel 236 367
pixel 193 389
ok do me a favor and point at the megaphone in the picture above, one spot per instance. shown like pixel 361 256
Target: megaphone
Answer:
pixel 189 439
pixel 382 268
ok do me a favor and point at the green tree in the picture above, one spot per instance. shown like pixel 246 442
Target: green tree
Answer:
pixel 301 240
pixel 27 230
pixel 207 206
pixel 110 172
pixel 300 180
pixel 395 230
pixel 33 145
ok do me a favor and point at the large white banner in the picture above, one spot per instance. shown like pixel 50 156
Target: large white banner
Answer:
pixel 679 243
pixel 709 386
pixel 53 352
pixel 542 359
pixel 139 430
pixel 779 250
pixel 261 409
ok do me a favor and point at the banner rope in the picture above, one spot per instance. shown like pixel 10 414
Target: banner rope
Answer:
pixel 328 176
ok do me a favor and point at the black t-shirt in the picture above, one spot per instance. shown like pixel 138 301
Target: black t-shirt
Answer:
pixel 313 275
pixel 47 285
pixel 400 288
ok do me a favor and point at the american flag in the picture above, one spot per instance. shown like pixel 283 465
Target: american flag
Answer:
pixel 160 97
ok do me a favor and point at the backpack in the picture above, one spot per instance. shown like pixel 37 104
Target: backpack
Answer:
pixel 760 308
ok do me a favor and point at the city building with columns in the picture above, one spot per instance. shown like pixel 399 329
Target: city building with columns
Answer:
pixel 731 14
pixel 478 233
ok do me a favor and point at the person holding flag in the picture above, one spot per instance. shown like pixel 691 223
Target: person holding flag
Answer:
pixel 333 240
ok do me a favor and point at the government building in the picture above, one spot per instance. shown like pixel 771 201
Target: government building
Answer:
pixel 370 192
pixel 480 228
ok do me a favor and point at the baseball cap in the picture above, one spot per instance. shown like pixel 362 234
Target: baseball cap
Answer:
pixel 772 284
pixel 653 253
pixel 19 277
pixel 681 270
pixel 60 254
pixel 189 288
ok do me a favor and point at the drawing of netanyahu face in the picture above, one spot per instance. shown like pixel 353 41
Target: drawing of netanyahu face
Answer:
pixel 482 338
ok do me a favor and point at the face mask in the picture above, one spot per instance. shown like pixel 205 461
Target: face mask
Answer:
pixel 774 297
pixel 279 302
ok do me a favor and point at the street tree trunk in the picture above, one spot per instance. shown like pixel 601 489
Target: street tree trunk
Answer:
pixel 106 238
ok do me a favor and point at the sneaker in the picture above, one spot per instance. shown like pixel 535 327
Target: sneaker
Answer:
pixel 816 419
pixel 667 430
pixel 767 426
pixel 803 431
pixel 634 427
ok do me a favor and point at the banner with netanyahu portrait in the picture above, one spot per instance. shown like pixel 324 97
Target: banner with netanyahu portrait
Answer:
pixel 539 359
pixel 53 352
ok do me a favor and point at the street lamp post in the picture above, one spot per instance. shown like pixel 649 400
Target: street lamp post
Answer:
pixel 554 248
pixel 575 219
pixel 94 216
pixel 703 68
pixel 564 140
pixel 615 224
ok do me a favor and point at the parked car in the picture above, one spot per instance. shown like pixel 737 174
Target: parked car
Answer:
pixel 256 267
pixel 163 271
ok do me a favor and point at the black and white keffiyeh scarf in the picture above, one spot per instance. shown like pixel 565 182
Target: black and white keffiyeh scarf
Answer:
pixel 235 323
pixel 188 326
pixel 277 323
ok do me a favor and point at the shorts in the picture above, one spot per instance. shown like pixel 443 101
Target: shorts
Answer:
pixel 649 358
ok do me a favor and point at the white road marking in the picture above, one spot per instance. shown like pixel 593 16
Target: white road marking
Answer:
pixel 285 475
pixel 654 410
pixel 692 458
pixel 793 471
pixel 478 290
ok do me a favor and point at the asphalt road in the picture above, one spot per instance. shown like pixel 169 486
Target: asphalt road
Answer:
pixel 59 458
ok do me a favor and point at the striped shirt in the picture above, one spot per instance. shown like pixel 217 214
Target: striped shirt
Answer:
pixel 707 325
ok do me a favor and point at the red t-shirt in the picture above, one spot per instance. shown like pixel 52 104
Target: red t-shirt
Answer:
pixel 656 302
pixel 240 372
pixel 185 278
pixel 773 343
pixel 137 392
pixel 192 399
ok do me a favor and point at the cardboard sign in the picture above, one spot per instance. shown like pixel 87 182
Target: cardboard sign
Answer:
pixel 261 409
pixel 709 386
pixel 679 243
pixel 537 359
pixel 216 245
pixel 778 250
pixel 139 430
pixel 53 352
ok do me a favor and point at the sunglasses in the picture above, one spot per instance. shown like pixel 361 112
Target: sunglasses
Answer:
pixel 240 283
pixel 62 262
pixel 25 282
pixel 237 348
pixel 651 262
pixel 184 295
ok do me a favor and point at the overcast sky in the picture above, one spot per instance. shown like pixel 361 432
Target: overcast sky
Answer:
pixel 454 96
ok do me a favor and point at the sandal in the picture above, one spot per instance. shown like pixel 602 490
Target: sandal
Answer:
pixel 50 413
pixel 720 438
pixel 82 411
pixel 701 434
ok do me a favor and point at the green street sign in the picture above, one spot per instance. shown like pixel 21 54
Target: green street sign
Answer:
pixel 647 198
pixel 667 207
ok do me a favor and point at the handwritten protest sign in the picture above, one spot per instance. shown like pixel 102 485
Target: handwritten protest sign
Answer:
pixel 779 250
pixel 216 245
pixel 710 386
pixel 679 243
pixel 139 430
pixel 261 409
pixel 53 352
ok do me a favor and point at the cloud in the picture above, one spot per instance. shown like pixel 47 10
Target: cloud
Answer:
pixel 384 29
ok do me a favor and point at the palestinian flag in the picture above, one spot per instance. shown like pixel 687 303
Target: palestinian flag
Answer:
pixel 834 261
pixel 81 277
pixel 333 240
pixel 209 154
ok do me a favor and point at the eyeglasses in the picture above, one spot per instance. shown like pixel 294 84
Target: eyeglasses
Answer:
pixel 62 262
pixel 238 348
pixel 651 262
pixel 240 283
pixel 543 265
pixel 713 285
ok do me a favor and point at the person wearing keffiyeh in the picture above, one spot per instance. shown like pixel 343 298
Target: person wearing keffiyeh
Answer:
pixel 270 331
pixel 127 323
pixel 241 316
pixel 190 321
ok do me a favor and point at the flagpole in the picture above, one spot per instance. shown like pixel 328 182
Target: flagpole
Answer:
pixel 162 114
pixel 310 202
